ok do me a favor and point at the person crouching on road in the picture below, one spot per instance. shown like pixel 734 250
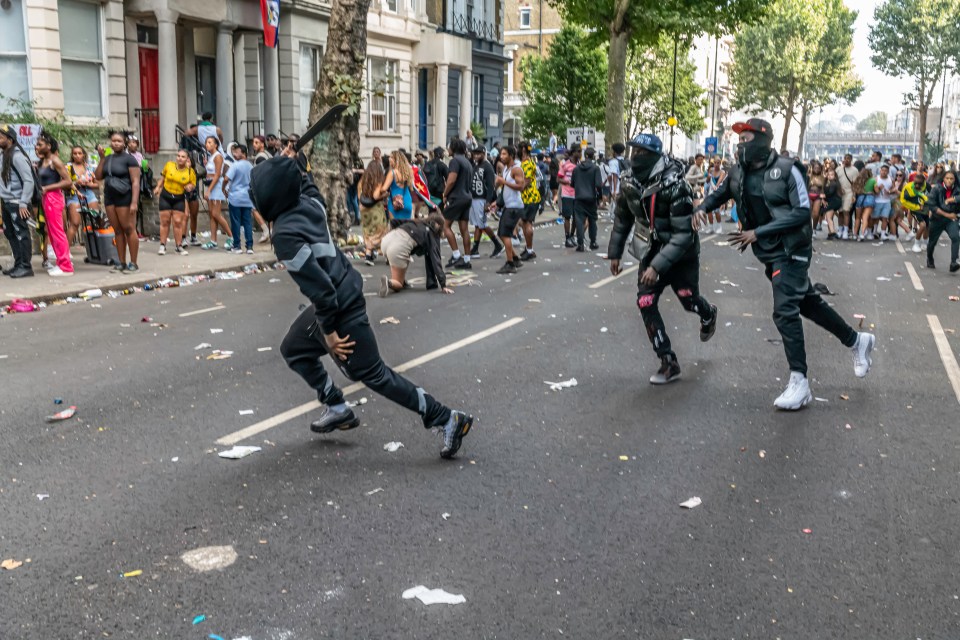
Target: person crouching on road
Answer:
pixel 655 197
pixel 336 324
pixel 414 238
pixel 773 205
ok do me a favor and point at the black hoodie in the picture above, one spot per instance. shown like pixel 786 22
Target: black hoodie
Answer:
pixel 286 196
pixel 586 179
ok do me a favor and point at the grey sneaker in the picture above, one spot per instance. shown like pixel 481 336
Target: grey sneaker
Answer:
pixel 453 432
pixel 384 290
pixel 669 371
pixel 861 353
pixel 333 420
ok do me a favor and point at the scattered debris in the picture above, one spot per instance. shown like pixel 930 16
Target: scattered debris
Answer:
pixel 533 300
pixel 42 496
pixel 66 414
pixel 219 355
pixel 557 386
pixel 830 255
pixel 624 458
pixel 774 341
pixel 691 503
pixel 445 516
pixel 199 619
pixel 264 348
pixel 603 329
pixel 808 531
pixel 729 284
pixel 883 279
pixel 216 330
pixel 954 298
pixel 821 399
pixel 393 447
pixel 844 396
pixel 352 404
pixel 209 558
pixel 373 491
pixel 58 401
pixel 10 564
pixel 133 574
pixel 246 412
pixel 432 596
pixel 146 319
pixel 389 320
pixel 239 451
pixel 762 453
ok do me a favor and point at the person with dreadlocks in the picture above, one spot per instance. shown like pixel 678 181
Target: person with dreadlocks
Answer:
pixel 17 187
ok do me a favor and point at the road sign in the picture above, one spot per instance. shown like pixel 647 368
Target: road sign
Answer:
pixel 710 146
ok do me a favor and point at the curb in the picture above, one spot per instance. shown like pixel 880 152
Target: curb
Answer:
pixel 263 265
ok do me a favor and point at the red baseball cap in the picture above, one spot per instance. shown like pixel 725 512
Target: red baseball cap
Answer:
pixel 756 125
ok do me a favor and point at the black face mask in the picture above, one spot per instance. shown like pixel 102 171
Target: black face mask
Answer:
pixel 642 164
pixel 755 151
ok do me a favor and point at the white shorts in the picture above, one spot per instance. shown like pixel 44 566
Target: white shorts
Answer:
pixel 478 213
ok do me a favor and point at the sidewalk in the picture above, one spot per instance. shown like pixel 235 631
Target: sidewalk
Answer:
pixel 44 288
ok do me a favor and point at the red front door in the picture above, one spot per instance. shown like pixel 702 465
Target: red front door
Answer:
pixel 149 100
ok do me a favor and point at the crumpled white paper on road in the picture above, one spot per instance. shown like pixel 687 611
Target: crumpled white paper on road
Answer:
pixel 237 452
pixel 433 596
pixel 557 386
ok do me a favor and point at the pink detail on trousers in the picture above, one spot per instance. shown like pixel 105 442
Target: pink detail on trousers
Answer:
pixel 53 205
pixel 684 293
pixel 645 301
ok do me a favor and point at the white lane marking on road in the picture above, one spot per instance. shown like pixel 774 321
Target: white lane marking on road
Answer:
pixel 949 360
pixel 914 277
pixel 900 248
pixel 199 311
pixel 295 412
pixel 609 279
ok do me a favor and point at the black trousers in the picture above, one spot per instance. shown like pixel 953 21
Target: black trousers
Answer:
pixel 18 235
pixel 794 296
pixel 585 212
pixel 939 225
pixel 684 279
pixel 303 347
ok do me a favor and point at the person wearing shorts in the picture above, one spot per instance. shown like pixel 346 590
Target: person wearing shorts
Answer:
pixel 457 201
pixel 531 200
pixel 176 179
pixel 483 190
pixel 84 184
pixel 513 182
pixel 413 238
pixel 882 189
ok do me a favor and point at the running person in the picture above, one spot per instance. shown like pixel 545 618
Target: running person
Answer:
pixel 913 197
pixel 673 257
pixel 774 208
pixel 336 324
pixel 944 206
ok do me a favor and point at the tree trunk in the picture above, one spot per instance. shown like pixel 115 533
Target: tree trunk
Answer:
pixel 922 126
pixel 616 77
pixel 803 128
pixel 788 116
pixel 334 153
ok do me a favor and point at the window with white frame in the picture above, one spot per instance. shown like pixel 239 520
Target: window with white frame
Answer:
pixel 476 109
pixel 14 69
pixel 390 5
pixel 81 58
pixel 382 94
pixel 310 57
pixel 524 17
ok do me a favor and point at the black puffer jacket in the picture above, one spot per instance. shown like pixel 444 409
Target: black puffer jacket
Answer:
pixel 287 196
pixel 938 200
pixel 670 226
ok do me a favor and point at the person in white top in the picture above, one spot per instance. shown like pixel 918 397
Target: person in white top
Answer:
pixel 513 182
pixel 846 175
pixel 615 168
pixel 884 191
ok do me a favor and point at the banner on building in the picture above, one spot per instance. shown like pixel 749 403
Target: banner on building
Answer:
pixel 27 135
pixel 270 12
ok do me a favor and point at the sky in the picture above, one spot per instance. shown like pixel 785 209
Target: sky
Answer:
pixel 880 92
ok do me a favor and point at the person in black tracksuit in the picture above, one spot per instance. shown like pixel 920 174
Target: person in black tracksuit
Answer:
pixel 586 180
pixel 944 207
pixel 657 202
pixel 336 324
pixel 773 207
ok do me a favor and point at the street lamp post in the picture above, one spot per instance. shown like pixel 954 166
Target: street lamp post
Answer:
pixel 673 100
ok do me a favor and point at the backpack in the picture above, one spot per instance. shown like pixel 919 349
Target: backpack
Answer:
pixel 539 176
pixel 435 182
pixel 623 165
pixel 36 200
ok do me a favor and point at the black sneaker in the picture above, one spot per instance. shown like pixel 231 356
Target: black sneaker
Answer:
pixel 453 433
pixel 594 246
pixel 451 262
pixel 368 259
pixel 954 267
pixel 930 264
pixel 569 243
pixel 580 248
pixel 528 255
pixel 508 268
pixel 21 272
pixel 707 329
pixel 517 262
pixel 464 264
pixel 497 250
pixel 332 420
pixel 475 250
pixel 669 371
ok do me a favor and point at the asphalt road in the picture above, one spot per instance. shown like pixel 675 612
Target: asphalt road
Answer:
pixel 564 517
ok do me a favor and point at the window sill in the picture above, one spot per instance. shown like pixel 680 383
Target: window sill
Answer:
pixel 383 134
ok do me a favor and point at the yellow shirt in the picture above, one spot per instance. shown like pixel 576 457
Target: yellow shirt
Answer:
pixel 530 195
pixel 175 178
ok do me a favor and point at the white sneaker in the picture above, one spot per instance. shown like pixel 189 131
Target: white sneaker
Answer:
pixel 884 236
pixel 845 234
pixel 162 251
pixel 916 246
pixel 50 254
pixel 861 353
pixel 181 251
pixel 910 236
pixel 718 229
pixel 797 394
pixel 265 237
pixel 57 272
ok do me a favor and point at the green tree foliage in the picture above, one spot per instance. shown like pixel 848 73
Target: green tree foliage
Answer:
pixel 622 23
pixel 917 40
pixel 797 63
pixel 649 90
pixel 567 87
pixel 876 121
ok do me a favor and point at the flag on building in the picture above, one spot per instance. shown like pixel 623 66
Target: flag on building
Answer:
pixel 270 12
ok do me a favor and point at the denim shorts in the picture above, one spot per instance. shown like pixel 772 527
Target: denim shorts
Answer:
pixel 88 193
pixel 865 200
pixel 882 210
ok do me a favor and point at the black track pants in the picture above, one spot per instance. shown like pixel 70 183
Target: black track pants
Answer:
pixel 684 278
pixel 303 347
